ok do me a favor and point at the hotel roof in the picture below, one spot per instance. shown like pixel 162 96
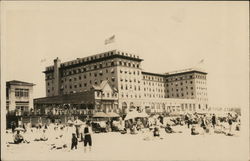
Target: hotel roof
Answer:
pixel 183 71
pixel 97 58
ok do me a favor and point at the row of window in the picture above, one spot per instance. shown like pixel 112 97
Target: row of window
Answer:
pixel 100 66
pixel 156 90
pixel 152 78
pixel 153 95
pixel 153 83
pixel 201 76
pixel 130 96
pixel 202 88
pixel 82 77
pixel 181 83
pixel 200 82
pixel 181 89
pixel 95 82
pixel 129 80
pixel 179 78
pixel 179 95
pixel 21 92
pixel 130 72
pixel 126 87
pixel 99 94
pixel 86 69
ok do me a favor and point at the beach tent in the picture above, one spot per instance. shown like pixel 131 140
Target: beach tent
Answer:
pixel 112 114
pixel 100 115
pixel 78 122
pixel 142 114
pixel 134 114
pixel 70 122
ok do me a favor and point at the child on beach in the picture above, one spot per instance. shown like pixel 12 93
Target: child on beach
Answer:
pixel 74 141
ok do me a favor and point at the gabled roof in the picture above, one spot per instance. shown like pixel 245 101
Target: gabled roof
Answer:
pixel 21 83
pixel 102 85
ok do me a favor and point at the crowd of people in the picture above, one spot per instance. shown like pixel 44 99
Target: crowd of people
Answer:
pixel 68 136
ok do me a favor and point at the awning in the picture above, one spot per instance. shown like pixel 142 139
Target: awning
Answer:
pixel 100 114
pixel 135 114
pixel 112 114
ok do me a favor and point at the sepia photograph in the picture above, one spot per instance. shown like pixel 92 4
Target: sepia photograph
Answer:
pixel 125 80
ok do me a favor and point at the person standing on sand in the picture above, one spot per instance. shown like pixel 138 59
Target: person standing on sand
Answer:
pixel 213 120
pixel 87 136
pixel 74 141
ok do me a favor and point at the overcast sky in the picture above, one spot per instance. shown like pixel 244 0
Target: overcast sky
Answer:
pixel 167 35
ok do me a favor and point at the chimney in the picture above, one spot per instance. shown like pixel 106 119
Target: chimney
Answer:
pixel 57 63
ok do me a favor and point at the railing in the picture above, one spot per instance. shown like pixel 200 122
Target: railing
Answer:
pixel 51 113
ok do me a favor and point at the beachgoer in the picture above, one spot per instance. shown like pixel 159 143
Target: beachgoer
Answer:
pixel 74 141
pixel 13 126
pixel 18 138
pixel 230 122
pixel 213 120
pixel 87 136
pixel 156 132
pixel 193 131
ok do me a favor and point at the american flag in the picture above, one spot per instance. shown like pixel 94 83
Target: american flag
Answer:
pixel 201 61
pixel 110 40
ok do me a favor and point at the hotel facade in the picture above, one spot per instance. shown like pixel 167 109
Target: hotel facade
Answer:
pixel 118 77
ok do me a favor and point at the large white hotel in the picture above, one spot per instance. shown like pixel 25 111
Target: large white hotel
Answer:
pixel 119 83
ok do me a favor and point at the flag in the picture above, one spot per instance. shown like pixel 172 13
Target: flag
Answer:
pixel 110 40
pixel 201 61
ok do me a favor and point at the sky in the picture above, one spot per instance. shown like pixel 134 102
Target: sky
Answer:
pixel 167 35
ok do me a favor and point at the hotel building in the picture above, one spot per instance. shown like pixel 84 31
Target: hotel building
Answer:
pixel 178 91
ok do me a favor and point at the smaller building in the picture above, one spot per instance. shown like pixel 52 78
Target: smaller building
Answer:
pixel 99 98
pixel 19 96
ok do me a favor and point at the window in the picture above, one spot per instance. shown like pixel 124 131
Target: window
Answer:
pixel 22 92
